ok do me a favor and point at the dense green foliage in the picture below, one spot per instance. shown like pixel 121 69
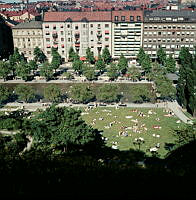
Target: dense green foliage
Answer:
pixel 52 93
pixel 81 93
pixel 106 56
pixel 186 88
pixel 25 93
pixel 108 93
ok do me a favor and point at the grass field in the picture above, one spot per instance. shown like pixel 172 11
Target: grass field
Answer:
pixel 144 126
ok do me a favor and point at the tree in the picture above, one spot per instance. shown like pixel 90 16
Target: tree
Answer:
pixel 89 73
pixel 112 72
pixel 33 65
pixel 56 59
pixel 39 55
pixel 90 56
pixel 72 54
pixel 122 64
pixel 68 75
pixel 81 93
pixel 4 70
pixel 187 81
pixel 170 64
pixel 25 93
pixel 46 71
pixel 140 94
pixel 52 93
pixel 77 65
pixel 16 58
pixel 23 70
pixel 106 56
pixel 100 65
pixel 161 56
pixel 146 64
pixel 4 93
pixel 134 73
pixel 165 88
pixel 62 129
pixel 140 56
pixel 108 93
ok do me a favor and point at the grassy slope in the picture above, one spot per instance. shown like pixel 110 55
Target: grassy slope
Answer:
pixel 125 143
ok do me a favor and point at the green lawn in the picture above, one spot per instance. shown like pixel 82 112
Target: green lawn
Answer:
pixel 109 115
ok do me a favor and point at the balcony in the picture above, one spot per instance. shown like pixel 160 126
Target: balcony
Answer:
pixel 54 35
pixel 77 42
pixel 77 45
pixel 77 35
pixel 99 35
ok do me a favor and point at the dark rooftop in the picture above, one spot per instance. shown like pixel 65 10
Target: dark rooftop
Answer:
pixel 29 25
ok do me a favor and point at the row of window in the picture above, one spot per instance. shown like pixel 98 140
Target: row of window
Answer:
pixel 123 18
pixel 76 27
pixel 169 40
pixel 28 32
pixel 168 46
pixel 169 33
pixel 169 27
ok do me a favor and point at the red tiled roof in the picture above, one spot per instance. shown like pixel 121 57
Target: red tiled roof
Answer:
pixel 77 16
pixel 92 16
pixel 5 6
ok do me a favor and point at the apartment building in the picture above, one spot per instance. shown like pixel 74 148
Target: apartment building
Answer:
pixel 170 30
pixel 27 36
pixel 78 29
pixel 119 31
pixel 127 29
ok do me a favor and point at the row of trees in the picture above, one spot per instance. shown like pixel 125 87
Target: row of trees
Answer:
pixel 78 93
pixel 17 65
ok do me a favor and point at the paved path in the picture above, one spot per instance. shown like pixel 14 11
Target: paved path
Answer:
pixel 73 81
pixel 174 106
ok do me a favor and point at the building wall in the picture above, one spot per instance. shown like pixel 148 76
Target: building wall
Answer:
pixel 79 35
pixel 171 36
pixel 27 39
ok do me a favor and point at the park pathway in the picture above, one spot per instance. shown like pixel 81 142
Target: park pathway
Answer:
pixel 174 106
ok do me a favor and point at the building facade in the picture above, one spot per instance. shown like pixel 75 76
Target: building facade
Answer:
pixel 27 36
pixel 170 30
pixel 127 29
pixel 95 30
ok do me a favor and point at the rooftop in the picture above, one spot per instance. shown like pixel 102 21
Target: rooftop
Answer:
pixel 29 25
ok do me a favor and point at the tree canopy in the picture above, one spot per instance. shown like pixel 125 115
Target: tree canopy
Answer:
pixel 52 93
pixel 122 64
pixel 81 93
pixel 25 93
pixel 39 55
pixel 90 56
pixel 106 56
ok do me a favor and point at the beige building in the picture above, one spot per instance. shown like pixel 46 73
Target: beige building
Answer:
pixel 77 29
pixel 27 36
pixel 170 30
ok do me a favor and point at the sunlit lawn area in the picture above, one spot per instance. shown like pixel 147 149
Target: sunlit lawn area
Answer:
pixel 144 126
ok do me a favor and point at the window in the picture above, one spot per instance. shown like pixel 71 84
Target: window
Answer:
pixel 30 52
pixel 106 39
pixel 91 32
pixel 76 27
pixel 47 39
pixel 138 18
pixel 84 26
pixel 116 18
pixel 159 33
pixel 54 27
pixel 99 25
pixel 68 25
pixel 62 39
pixel 61 32
pixel 91 25
pixel 122 18
pixel 61 26
pixel 29 40
pixel 46 26
pixel 131 18
pixel 48 52
pixel 106 25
